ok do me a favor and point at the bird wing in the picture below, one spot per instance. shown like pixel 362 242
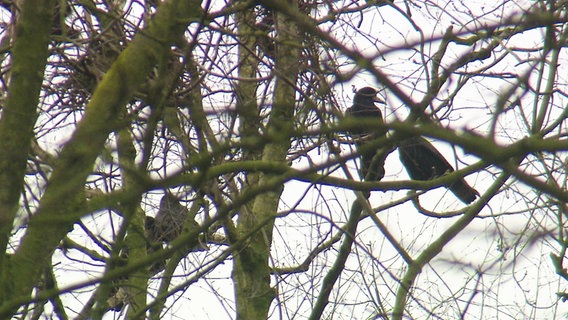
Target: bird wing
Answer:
pixel 424 162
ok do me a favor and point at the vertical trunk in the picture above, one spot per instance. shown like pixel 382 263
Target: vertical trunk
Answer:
pixel 251 265
pixel 252 258
pixel 29 56
pixel 136 284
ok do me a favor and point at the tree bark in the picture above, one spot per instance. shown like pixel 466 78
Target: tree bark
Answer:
pixel 29 57
pixel 251 271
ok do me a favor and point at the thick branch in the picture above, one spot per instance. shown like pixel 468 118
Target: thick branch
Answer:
pixel 339 264
pixel 416 266
pixel 29 55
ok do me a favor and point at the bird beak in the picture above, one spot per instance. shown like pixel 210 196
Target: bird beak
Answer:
pixel 379 100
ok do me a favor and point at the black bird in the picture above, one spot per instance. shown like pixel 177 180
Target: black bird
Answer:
pixel 372 164
pixel 423 162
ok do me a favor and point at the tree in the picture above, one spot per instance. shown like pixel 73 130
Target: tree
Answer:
pixel 233 110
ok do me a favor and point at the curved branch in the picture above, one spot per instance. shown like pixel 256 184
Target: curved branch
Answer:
pixel 344 251
pixel 437 245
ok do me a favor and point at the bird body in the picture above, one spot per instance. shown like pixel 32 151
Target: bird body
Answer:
pixel 169 221
pixel 424 162
pixel 372 164
pixel 165 227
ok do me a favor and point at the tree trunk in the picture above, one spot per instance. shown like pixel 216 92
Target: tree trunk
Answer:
pixel 29 56
pixel 251 271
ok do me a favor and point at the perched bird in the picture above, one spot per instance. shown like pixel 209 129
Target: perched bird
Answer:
pixel 423 162
pixel 372 163
pixel 169 221
pixel 165 227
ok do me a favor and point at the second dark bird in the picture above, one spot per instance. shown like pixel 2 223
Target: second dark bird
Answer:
pixel 424 162
pixel 372 162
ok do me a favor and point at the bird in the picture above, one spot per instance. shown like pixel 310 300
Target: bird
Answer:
pixel 164 228
pixel 169 221
pixel 424 162
pixel 372 163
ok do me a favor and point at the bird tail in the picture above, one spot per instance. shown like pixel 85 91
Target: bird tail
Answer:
pixel 463 191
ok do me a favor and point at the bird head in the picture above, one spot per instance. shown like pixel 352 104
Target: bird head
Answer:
pixel 367 97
